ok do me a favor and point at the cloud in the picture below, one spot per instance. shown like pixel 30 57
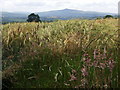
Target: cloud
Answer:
pixel 31 4
pixel 62 3
pixel 47 5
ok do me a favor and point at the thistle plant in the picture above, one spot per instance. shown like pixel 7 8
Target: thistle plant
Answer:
pixel 100 62
pixel 73 75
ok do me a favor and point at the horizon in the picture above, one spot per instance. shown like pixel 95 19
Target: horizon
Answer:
pixel 51 5
pixel 56 10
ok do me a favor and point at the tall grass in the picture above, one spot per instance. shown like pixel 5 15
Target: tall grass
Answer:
pixel 61 54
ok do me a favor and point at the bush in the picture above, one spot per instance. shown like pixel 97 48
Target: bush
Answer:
pixel 108 16
pixel 33 18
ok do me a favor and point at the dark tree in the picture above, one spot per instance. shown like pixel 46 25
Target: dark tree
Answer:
pixel 33 18
pixel 108 16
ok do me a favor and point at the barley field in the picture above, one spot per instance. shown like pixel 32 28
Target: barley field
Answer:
pixel 61 54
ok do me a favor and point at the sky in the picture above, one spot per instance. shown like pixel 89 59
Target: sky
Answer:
pixel 48 5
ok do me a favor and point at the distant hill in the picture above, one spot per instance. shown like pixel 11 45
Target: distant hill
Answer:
pixel 14 14
pixel 64 14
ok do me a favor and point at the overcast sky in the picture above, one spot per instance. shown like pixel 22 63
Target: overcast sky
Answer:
pixel 48 5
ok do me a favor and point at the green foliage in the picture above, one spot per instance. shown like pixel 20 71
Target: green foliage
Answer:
pixel 44 55
pixel 108 16
pixel 33 18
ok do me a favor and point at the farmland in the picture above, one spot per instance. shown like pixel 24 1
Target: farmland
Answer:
pixel 61 54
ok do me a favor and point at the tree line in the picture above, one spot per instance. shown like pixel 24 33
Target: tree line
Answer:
pixel 35 17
